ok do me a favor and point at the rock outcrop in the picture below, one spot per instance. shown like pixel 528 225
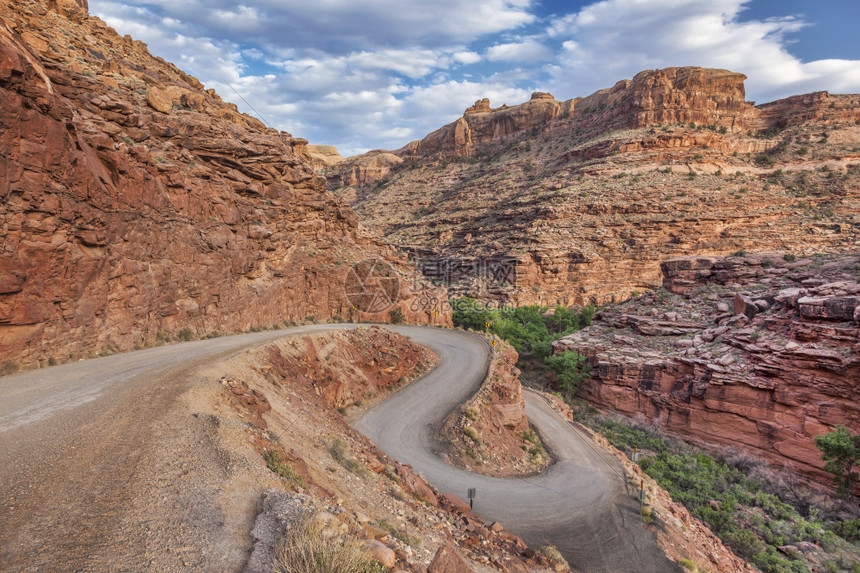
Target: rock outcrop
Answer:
pixel 672 95
pixel 323 156
pixel 489 433
pixel 136 204
pixel 575 202
pixel 753 353
pixel 482 124
pixel 365 169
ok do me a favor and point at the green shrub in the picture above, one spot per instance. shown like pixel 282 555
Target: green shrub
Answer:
pixel 688 564
pixel 530 436
pixel 554 556
pixel 396 316
pixel 185 334
pixel 848 530
pixel 764 160
pixel 530 329
pixel 840 449
pixel 472 412
pixel 570 368
pixel 340 452
pixel 276 463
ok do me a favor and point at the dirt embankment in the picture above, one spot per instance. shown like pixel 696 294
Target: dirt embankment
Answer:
pixel 490 433
pixel 285 402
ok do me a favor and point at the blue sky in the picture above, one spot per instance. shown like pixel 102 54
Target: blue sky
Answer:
pixel 370 74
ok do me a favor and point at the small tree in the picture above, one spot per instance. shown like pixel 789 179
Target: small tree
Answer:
pixel 570 368
pixel 841 450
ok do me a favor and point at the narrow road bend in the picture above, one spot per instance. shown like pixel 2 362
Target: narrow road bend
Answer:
pixel 77 441
pixel 580 504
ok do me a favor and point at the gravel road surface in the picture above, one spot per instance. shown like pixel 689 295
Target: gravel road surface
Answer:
pixel 86 447
pixel 580 504
pixel 101 470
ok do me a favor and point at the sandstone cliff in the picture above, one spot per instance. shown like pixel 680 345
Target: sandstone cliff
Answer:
pixel 579 201
pixel 136 204
pixel 753 353
pixel 481 124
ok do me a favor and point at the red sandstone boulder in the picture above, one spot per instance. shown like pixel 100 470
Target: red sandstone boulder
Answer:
pixel 448 560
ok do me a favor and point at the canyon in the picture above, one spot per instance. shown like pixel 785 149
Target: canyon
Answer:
pixel 579 201
pixel 137 205
pixel 139 208
pixel 755 353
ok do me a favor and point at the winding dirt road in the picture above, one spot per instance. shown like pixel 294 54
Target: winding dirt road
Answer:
pixel 580 504
pixel 80 442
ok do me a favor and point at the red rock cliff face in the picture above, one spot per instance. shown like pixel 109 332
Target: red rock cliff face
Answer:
pixel 135 203
pixel 580 205
pixel 752 353
pixel 481 124
pixel 672 95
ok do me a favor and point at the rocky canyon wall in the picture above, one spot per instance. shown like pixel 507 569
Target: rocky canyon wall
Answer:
pixel 136 204
pixel 751 353
pixel 581 200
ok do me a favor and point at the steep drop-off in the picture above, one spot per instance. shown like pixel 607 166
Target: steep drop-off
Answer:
pixel 579 201
pixel 753 353
pixel 136 204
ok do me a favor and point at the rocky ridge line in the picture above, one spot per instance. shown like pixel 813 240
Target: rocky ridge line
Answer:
pixel 582 203
pixel 489 433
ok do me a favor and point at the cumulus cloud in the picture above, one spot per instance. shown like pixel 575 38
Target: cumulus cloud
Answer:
pixel 522 51
pixel 615 39
pixel 346 25
pixel 366 74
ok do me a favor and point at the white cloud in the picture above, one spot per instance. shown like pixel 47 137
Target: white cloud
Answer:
pixel 348 24
pixel 616 39
pixel 525 51
pixel 466 57
pixel 366 74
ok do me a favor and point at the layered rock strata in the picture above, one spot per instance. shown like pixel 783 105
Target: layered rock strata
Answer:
pixel 751 353
pixel 581 200
pixel 137 204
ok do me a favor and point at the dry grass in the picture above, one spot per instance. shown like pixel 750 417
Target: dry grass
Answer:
pixel 309 548
pixel 559 563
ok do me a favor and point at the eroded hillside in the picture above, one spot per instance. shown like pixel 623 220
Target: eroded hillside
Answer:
pixel 579 201
pixel 137 204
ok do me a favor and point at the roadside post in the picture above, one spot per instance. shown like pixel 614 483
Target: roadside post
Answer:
pixel 471 495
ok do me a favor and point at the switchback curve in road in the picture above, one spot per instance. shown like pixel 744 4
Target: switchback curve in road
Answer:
pixel 74 438
pixel 580 503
